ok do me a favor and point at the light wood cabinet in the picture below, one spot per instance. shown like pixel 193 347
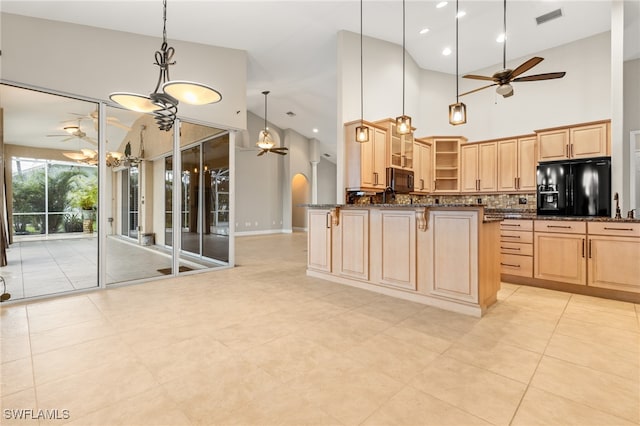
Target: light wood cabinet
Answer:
pixel 423 166
pixel 399 147
pixel 319 240
pixel 446 163
pixel 516 247
pixel 517 164
pixel 455 255
pixel 366 167
pixel 478 167
pixel 580 141
pixel 614 256
pixel 352 248
pixel 393 240
pixel 560 251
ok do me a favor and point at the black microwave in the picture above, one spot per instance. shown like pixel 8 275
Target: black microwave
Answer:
pixel 400 180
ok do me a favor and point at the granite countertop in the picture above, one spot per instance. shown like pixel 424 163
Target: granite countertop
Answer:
pixel 532 215
pixel 397 206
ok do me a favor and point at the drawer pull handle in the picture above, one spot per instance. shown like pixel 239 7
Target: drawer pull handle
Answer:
pixel 509 264
pixel 511 236
pixel 511 224
pixel 590 248
pixel 559 226
pixel 510 248
pixel 618 229
pixel 583 247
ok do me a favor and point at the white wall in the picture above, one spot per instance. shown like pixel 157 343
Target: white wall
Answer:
pixel 93 62
pixel 297 161
pixel 631 122
pixel 327 180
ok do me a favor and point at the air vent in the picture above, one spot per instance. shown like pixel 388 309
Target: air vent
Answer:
pixel 549 16
pixel 327 155
pixel 291 113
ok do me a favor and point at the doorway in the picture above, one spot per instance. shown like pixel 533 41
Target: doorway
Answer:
pixel 300 195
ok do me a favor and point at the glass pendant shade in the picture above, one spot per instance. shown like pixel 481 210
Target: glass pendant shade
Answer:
pixel 403 125
pixel 76 156
pixel 192 93
pixel 71 129
pixel 115 154
pixel 362 134
pixel 89 152
pixel 265 141
pixel 457 113
pixel 134 102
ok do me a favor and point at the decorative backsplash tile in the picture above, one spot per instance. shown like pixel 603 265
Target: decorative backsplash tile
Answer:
pixel 492 201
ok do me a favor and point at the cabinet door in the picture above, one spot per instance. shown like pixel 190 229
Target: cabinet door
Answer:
pixel 422 167
pixel 454 254
pixel 508 165
pixel 553 145
pixel 487 173
pixel 527 164
pixel 427 168
pixel 588 141
pixel 319 240
pixel 379 155
pixel 367 160
pixel 395 148
pixel 469 168
pixel 398 242
pixel 560 257
pixel 407 151
pixel 354 243
pixel 614 262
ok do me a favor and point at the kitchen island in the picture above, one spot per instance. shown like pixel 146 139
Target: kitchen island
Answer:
pixel 446 256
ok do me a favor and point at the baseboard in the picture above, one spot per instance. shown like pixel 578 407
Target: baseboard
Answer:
pixel 262 232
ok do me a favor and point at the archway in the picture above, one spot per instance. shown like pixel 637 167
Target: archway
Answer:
pixel 300 191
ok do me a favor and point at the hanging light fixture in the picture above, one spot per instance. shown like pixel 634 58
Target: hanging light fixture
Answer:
pixel 362 131
pixel 457 111
pixel 265 141
pixel 403 122
pixel 164 104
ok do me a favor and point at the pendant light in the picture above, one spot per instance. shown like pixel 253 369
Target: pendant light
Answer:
pixel 362 131
pixel 403 122
pixel 457 111
pixel 265 141
pixel 164 104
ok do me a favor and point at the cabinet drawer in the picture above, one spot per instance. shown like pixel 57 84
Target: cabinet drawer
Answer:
pixel 564 227
pixel 620 229
pixel 517 225
pixel 516 265
pixel 516 236
pixel 516 248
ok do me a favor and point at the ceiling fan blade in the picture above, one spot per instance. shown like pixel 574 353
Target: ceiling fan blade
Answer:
pixel 478 89
pixel 526 66
pixel 262 152
pixel 112 121
pixel 538 77
pixel 478 77
pixel 279 152
pixel 281 148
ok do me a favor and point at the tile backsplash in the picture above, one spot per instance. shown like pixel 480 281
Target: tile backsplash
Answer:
pixel 492 201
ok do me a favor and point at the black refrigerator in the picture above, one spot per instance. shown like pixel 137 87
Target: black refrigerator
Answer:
pixel 575 187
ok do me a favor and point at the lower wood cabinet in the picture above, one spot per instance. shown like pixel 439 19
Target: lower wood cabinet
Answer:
pixel 516 247
pixel 560 257
pixel 352 245
pixel 614 256
pixel 319 240
pixel 393 248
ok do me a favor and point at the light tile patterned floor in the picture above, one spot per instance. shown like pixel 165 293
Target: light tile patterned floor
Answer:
pixel 263 344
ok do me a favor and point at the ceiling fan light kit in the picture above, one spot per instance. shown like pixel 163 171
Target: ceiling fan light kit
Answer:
pixel 403 122
pixel 265 140
pixel 506 76
pixel 362 131
pixel 457 111
pixel 164 104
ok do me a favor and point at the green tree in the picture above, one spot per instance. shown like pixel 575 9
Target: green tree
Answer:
pixel 60 181
pixel 28 197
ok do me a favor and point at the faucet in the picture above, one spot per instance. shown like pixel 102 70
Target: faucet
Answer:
pixel 630 214
pixel 388 190
pixel 616 199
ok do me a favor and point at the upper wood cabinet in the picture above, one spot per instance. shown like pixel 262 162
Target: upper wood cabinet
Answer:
pixel 580 141
pixel 366 162
pixel 517 164
pixel 399 147
pixel 423 166
pixel 478 167
pixel 445 151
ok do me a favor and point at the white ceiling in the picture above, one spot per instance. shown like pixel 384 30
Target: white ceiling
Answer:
pixel 291 45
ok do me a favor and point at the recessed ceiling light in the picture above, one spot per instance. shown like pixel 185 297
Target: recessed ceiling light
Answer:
pixel 446 51
pixel 424 30
pixel 501 38
pixel 315 130
pixel 441 4
pixel 461 14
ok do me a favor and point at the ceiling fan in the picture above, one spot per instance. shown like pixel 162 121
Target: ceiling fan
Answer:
pixel 505 77
pixel 265 141
pixel 74 131
pixel 111 121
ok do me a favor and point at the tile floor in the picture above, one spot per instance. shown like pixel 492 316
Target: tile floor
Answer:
pixel 262 344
